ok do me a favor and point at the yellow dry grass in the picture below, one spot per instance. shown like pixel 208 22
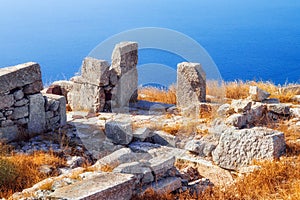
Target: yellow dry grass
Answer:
pixel 22 171
pixel 158 95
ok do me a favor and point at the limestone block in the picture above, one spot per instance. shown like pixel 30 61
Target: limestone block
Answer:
pixel 257 94
pixel 281 109
pixel 238 148
pixel 9 133
pixel 65 86
pixel 165 186
pixel 6 101
pixel 61 107
pixel 108 186
pixel 36 123
pixel 119 132
pixel 191 84
pixel 19 76
pixel 86 97
pixel 161 164
pixel 237 120
pixel 141 134
pixel 225 110
pixel 95 72
pixel 33 88
pixel 124 57
pixel 241 105
pixel 163 138
pixel 20 112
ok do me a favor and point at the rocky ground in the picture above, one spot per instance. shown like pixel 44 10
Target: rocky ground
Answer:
pixel 121 155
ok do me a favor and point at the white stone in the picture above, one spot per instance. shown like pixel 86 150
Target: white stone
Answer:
pixel 257 94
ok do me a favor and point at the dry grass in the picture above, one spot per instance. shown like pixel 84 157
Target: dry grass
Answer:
pixel 232 90
pixel 22 171
pixel 157 95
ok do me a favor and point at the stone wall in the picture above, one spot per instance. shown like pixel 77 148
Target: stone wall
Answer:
pixel 104 87
pixel 23 109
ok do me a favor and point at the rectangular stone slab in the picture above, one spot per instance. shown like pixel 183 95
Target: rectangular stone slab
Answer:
pixel 108 186
pixel 19 75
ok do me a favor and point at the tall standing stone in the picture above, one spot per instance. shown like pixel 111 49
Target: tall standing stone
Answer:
pixel 124 62
pixel 36 123
pixel 191 85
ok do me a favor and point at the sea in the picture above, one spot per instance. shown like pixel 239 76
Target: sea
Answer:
pixel 246 40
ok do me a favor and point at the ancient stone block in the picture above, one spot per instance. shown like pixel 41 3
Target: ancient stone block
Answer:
pixel 61 107
pixel 191 84
pixel 9 133
pixel 108 186
pixel 281 109
pixel 165 186
pixel 163 138
pixel 6 101
pixel 65 86
pixel 238 148
pixel 161 164
pixel 36 123
pixel 119 132
pixel 95 72
pixel 33 88
pixel 257 94
pixel 241 105
pixel 86 97
pixel 237 120
pixel 124 57
pixel 21 102
pixel 20 112
pixel 19 75
pixel 141 134
pixel 18 95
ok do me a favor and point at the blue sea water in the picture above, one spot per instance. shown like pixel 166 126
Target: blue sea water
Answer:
pixel 248 40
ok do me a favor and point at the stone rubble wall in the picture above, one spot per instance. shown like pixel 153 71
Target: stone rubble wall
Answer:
pixel 101 86
pixel 23 108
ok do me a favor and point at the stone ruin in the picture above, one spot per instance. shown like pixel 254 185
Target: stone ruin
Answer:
pixel 102 87
pixel 24 110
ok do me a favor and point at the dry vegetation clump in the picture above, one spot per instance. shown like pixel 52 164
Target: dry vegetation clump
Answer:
pixel 158 95
pixel 21 171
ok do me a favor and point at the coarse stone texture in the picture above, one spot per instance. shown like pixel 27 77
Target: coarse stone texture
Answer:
pixel 33 88
pixel 238 148
pixel 86 97
pixel 21 102
pixel 124 62
pixel 19 75
pixel 257 94
pixel 18 95
pixel 6 101
pixel 141 134
pixel 140 170
pixel 237 120
pixel 124 57
pixel 202 147
pixel 225 110
pixel 37 122
pixel 125 91
pixel 65 86
pixel 95 71
pixel 163 138
pixel 20 112
pixel 61 107
pixel 9 133
pixel 241 105
pixel 108 186
pixel 160 164
pixel 281 109
pixel 164 186
pixel 191 84
pixel 119 132
pixel 256 114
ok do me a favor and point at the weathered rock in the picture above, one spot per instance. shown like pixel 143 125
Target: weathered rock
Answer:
pixel 271 101
pixel 237 120
pixel 295 112
pixel 161 164
pixel 163 138
pixel 255 115
pixel 110 186
pixel 37 114
pixel 296 98
pixel 86 97
pixel 18 95
pixel 191 84
pixel 33 88
pixel 164 186
pixel 95 72
pixel 65 86
pixel 143 147
pixel 238 148
pixel 54 89
pixel 119 132
pixel 141 134
pixel 20 112
pixel 281 109
pixel 140 170
pixel 257 94
pixel 6 101
pixel 6 123
pixel 21 102
pixel 19 75
pixel 225 110
pixel 147 105
pixel 9 133
pixel 124 57
pixel 241 105
pixel 59 106
pixel 202 147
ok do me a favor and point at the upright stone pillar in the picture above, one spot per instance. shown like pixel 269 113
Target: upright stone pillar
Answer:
pixel 124 62
pixel 36 123
pixel 191 85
